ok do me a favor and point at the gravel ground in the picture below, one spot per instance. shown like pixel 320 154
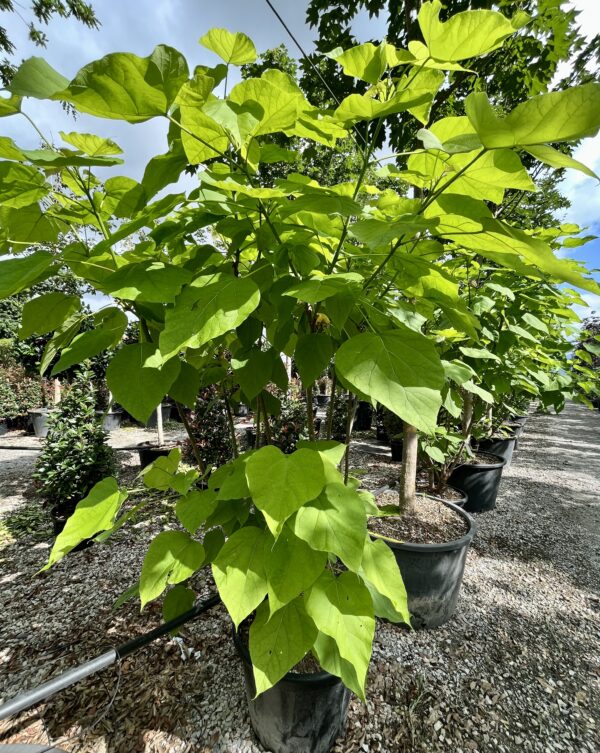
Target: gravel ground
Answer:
pixel 517 668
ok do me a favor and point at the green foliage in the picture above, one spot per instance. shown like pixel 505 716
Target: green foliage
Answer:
pixel 417 303
pixel 210 430
pixel 41 12
pixel 75 455
pixel 9 407
pixel 290 426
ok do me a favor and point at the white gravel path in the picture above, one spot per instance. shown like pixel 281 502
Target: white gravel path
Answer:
pixel 516 669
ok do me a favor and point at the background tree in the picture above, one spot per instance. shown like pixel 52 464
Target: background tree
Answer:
pixel 40 12
pixel 526 65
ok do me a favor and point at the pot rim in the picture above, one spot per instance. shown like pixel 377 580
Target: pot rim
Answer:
pixel 446 546
pixel 322 678
pixel 485 466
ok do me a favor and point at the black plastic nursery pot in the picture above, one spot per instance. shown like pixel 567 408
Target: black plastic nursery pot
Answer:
pixel 501 446
pixel 516 428
pixel 433 573
pixel 364 416
pixel 241 410
pixel 251 437
pixel 3 427
pixel 148 454
pixel 302 713
pixel 322 400
pixel 166 415
pixel 111 420
pixel 39 420
pixel 396 445
pixel 480 482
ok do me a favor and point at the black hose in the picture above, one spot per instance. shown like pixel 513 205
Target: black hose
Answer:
pixel 71 676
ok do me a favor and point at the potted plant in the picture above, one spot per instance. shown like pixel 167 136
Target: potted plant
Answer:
pixel 312 272
pixel 322 396
pixel 75 455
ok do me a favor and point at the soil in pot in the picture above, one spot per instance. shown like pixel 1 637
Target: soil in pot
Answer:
pixel 447 493
pixel 303 713
pixel 431 550
pixel 502 446
pixel 149 453
pixel 3 427
pixel 480 480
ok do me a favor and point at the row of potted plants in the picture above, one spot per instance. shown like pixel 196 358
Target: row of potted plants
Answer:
pixel 432 306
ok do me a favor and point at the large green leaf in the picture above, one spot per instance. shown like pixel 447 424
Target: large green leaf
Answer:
pixel 36 78
pixel 551 156
pixel 279 484
pixel 20 185
pixel 95 513
pixel 380 572
pixel 206 309
pixel 312 355
pixel 185 388
pixel 279 641
pixel 27 225
pixel 465 35
pixel 139 379
pixel 320 288
pixel 365 61
pixel 110 326
pixel 164 474
pixel 254 371
pixel 164 169
pixel 400 369
pixel 47 312
pixel 327 652
pixel 292 566
pixel 10 106
pixel 239 571
pixel 557 116
pixel 336 523
pixel 341 608
pixel 202 137
pixel 18 274
pixel 127 87
pixel 356 107
pixel 274 108
pixel 194 508
pixel 173 556
pixel 237 49
pixel 147 281
pixel 93 146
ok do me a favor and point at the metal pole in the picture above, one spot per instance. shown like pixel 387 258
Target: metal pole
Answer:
pixel 71 676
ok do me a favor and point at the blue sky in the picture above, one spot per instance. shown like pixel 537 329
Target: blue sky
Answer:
pixel 138 25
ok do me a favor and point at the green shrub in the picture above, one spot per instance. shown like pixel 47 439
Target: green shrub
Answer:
pixel 210 430
pixel 75 455
pixel 8 405
pixel 291 424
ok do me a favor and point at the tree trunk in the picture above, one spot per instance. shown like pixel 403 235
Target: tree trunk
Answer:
pixel 408 474
pixel 467 415
pixel 159 426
